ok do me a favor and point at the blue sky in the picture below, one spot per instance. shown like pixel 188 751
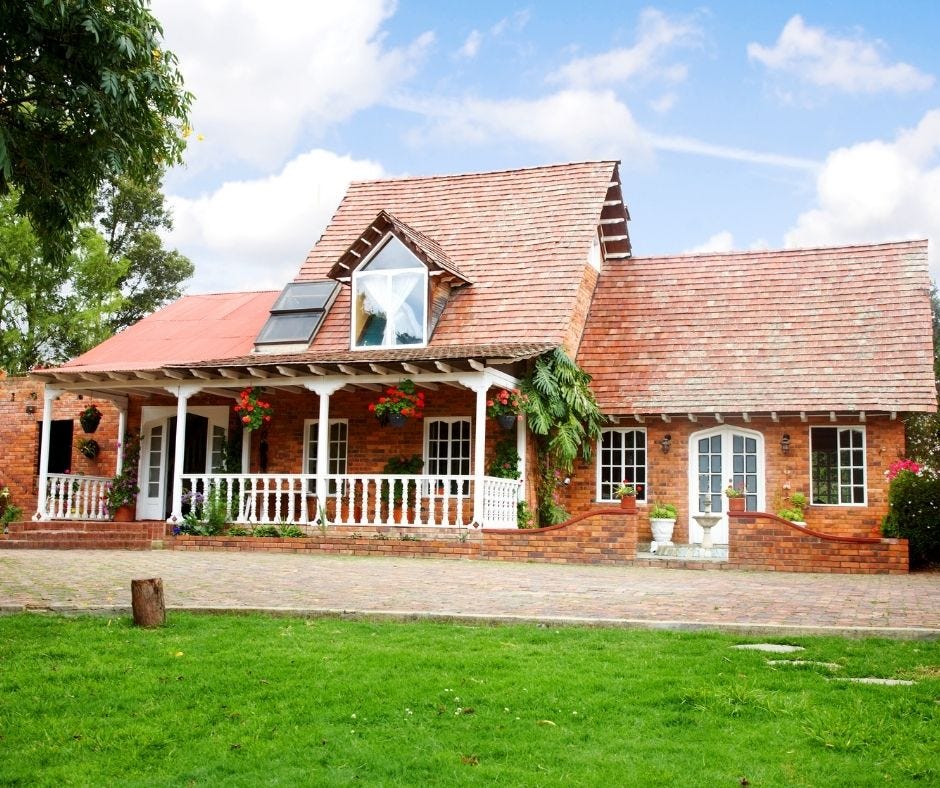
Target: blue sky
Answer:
pixel 739 125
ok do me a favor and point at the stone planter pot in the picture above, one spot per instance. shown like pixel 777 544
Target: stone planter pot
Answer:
pixel 662 530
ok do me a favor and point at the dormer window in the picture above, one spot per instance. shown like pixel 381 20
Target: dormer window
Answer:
pixel 390 298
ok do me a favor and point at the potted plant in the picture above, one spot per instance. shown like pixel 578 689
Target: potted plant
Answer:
pixel 736 500
pixel 253 412
pixel 89 447
pixel 794 512
pixel 398 404
pixel 90 418
pixel 627 494
pixel 505 407
pixel 122 490
pixel 399 466
pixel 662 522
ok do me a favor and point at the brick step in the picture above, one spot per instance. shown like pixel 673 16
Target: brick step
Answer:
pixel 82 526
pixel 45 536
pixel 75 544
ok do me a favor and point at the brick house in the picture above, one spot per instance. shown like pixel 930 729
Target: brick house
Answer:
pixel 779 371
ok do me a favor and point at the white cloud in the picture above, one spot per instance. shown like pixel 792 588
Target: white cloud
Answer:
pixel 657 35
pixel 853 65
pixel 719 242
pixel 253 235
pixel 575 124
pixel 471 46
pixel 664 103
pixel 677 144
pixel 515 22
pixel 263 73
pixel 878 191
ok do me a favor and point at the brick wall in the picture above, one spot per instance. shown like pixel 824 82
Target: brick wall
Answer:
pixel 19 437
pixel 667 474
pixel 764 541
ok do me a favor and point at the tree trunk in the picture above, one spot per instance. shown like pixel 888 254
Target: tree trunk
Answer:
pixel 147 602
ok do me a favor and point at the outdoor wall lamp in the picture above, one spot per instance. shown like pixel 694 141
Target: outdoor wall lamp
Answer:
pixel 785 443
pixel 666 443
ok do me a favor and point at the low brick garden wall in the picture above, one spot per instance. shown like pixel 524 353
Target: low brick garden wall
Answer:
pixel 765 541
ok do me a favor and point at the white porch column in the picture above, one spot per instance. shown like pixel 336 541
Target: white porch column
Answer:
pixel 122 428
pixel 183 393
pixel 49 396
pixel 520 450
pixel 246 450
pixel 479 384
pixel 324 389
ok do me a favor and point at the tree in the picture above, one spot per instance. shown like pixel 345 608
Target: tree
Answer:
pixel 86 94
pixel 130 215
pixel 50 311
pixel 923 429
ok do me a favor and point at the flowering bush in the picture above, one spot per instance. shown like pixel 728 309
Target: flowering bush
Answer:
pixel 505 403
pixel 122 489
pixel 253 412
pixel 403 398
pixel 914 513
pixel 902 465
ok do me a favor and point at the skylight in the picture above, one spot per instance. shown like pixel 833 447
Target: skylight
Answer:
pixel 298 313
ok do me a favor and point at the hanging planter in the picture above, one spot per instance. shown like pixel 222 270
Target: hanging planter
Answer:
pixel 505 408
pixel 90 418
pixel 252 412
pixel 398 404
pixel 89 448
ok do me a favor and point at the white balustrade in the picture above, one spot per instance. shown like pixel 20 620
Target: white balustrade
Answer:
pixel 355 499
pixel 73 496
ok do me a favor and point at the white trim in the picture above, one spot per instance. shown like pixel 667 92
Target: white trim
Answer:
pixel 309 425
pixel 425 454
pixel 839 428
pixel 597 464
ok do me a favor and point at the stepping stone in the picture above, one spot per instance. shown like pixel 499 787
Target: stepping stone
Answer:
pixel 830 665
pixel 775 648
pixel 873 680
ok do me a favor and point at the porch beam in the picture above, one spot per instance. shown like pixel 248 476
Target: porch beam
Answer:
pixel 665 417
pixel 832 415
pixel 378 369
pixel 202 374
pixel 719 418
pixel 257 372
pixel 230 374
pixel 894 415
pixel 317 370
pixel 639 418
pixel 369 386
pixel 123 378
pixel 119 400
pixel 478 366
pixel 692 417
pixel 803 416
pixel 91 377
pixel 287 372
pixel 172 373
pixel 861 416
pixel 774 417
pixel 145 375
pixel 347 370
pixel 747 417
pixel 413 369
pixel 444 367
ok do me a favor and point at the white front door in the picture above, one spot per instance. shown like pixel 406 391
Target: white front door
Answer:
pixel 717 458
pixel 155 479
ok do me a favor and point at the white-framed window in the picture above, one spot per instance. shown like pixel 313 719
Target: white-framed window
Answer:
pixel 837 465
pixel 339 449
pixel 389 298
pixel 621 459
pixel 448 447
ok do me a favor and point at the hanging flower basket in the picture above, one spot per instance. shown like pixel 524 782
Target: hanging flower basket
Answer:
pixel 399 403
pixel 90 418
pixel 506 420
pixel 505 407
pixel 252 411
pixel 89 447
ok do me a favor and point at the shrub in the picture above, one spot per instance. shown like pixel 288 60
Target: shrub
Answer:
pixel 663 511
pixel 292 531
pixel 914 514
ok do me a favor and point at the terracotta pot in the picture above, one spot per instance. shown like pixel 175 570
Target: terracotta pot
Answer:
pixel 124 514
pixel 738 504
pixel 628 503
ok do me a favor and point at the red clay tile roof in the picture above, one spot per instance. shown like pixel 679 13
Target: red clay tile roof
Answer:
pixel 425 247
pixel 189 330
pixel 808 329
pixel 521 236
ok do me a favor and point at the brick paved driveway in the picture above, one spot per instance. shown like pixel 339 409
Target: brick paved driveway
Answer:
pixel 896 606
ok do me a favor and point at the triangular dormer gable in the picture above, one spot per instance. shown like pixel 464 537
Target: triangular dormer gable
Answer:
pixel 401 282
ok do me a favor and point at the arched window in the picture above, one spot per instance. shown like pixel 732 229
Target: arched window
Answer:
pixel 390 293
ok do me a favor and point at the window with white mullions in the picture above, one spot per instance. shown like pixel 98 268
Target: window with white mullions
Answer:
pixel 621 460
pixel 448 450
pixel 338 450
pixel 837 465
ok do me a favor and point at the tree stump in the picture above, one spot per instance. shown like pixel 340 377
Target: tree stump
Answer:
pixel 147 602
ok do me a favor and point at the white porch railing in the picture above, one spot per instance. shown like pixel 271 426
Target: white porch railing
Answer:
pixel 77 497
pixel 355 499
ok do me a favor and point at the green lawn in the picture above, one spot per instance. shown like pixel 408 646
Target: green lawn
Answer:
pixel 250 700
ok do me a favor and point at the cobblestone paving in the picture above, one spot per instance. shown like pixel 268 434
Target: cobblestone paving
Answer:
pixel 897 606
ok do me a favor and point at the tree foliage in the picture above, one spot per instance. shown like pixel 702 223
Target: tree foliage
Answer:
pixel 86 94
pixel 116 272
pixel 923 429
pixel 914 514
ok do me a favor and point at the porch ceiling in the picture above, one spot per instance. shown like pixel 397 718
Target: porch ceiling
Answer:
pixel 362 369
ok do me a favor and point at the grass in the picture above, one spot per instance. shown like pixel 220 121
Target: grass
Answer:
pixel 250 700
